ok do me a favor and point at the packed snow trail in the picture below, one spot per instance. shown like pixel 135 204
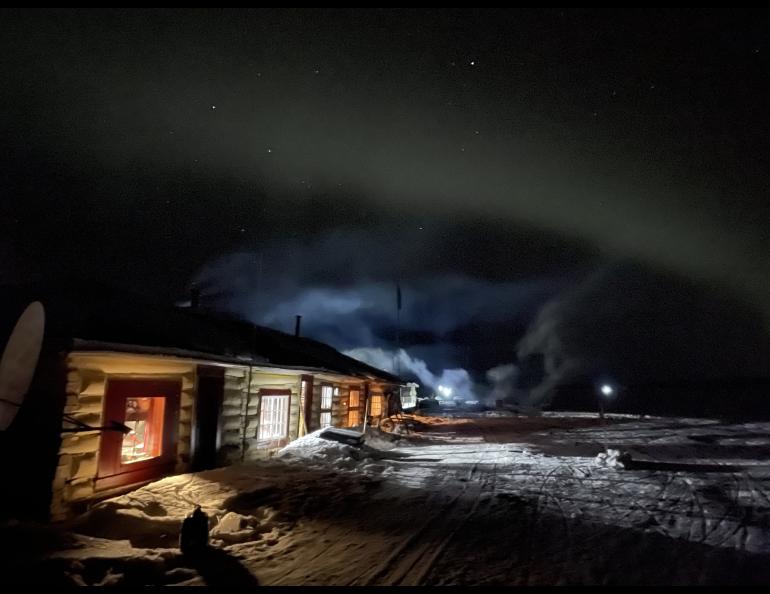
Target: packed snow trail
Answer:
pixel 496 501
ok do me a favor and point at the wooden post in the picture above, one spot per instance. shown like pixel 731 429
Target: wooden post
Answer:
pixel 366 414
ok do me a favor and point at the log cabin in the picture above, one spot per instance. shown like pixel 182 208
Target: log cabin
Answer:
pixel 190 391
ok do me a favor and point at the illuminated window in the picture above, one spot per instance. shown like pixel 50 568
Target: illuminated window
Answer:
pixel 274 417
pixel 376 407
pixel 149 409
pixel 326 397
pixel 354 408
pixel 355 398
pixel 144 416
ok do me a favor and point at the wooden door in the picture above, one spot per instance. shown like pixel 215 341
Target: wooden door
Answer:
pixel 208 411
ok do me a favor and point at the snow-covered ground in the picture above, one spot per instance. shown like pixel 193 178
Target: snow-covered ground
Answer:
pixel 482 500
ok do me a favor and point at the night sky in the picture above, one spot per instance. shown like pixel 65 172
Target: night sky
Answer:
pixel 587 187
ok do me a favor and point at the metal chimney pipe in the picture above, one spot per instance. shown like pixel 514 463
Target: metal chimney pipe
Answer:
pixel 297 325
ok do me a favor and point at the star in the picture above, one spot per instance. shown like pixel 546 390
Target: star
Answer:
pixel 269 150
pixel 213 107
pixel 473 62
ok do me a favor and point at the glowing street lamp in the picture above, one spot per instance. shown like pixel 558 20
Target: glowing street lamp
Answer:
pixel 605 391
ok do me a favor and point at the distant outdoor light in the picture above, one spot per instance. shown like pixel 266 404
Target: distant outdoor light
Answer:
pixel 605 391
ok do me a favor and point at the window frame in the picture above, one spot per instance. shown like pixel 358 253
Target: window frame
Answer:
pixel 327 410
pixel 273 441
pixel 112 471
pixel 381 399
pixel 358 409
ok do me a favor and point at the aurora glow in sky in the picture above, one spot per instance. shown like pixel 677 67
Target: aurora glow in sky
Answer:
pixel 520 173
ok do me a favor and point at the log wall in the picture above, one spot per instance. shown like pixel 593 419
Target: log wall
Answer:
pixel 74 486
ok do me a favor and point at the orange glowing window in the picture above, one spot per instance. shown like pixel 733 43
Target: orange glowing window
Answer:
pixel 376 406
pixel 144 416
pixel 354 407
pixel 354 417
pixel 355 398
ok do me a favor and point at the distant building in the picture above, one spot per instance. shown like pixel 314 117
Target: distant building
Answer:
pixel 195 392
pixel 409 395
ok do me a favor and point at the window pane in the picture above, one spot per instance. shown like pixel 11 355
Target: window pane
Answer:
pixel 144 416
pixel 326 419
pixel 355 399
pixel 354 418
pixel 376 408
pixel 273 417
pixel 326 397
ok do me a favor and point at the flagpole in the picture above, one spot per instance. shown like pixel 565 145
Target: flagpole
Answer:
pixel 396 365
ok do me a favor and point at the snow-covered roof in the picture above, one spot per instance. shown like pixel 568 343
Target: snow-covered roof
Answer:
pixel 100 318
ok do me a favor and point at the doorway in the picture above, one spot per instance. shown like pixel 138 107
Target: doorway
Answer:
pixel 208 412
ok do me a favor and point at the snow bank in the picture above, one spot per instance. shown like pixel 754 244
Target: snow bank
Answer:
pixel 382 440
pixel 498 413
pixel 236 528
pixel 317 451
pixel 612 459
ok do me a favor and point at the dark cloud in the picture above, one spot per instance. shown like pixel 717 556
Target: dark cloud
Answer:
pixel 572 122
pixel 305 161
pixel 628 323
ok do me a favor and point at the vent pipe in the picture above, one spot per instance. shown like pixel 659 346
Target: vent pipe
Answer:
pixel 297 325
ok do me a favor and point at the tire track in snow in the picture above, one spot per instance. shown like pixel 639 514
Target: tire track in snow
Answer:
pixel 395 567
pixel 430 560
pixel 413 567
